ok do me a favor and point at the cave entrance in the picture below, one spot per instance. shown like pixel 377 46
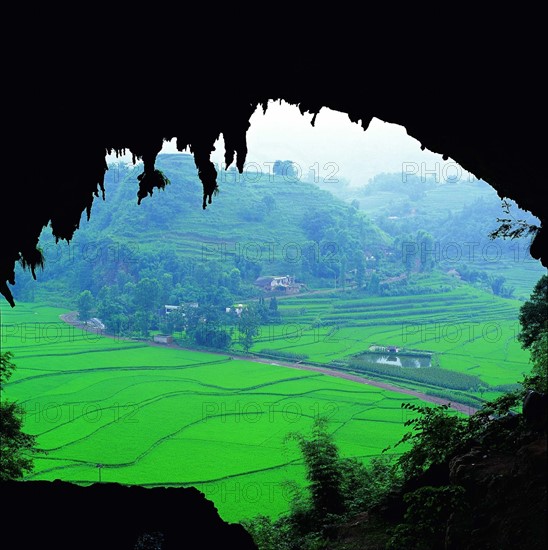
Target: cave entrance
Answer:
pixel 336 240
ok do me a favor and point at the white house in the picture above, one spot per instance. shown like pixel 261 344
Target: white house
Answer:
pixel 274 282
pixel 163 339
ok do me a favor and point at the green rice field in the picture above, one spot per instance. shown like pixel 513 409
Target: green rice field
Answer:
pixel 468 330
pixel 129 412
pixel 126 411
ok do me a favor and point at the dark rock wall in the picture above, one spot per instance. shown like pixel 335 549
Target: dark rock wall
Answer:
pixel 109 516
pixel 506 498
pixel 477 102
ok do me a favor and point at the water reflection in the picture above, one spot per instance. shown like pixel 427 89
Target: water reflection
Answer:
pixel 398 360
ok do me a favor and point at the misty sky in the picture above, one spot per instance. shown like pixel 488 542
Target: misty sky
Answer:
pixel 333 147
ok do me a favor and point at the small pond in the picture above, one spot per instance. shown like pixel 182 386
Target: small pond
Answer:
pixel 414 360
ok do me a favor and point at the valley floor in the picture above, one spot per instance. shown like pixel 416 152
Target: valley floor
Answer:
pixel 72 318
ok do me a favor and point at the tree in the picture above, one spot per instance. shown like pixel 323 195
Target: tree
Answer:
pixel 248 327
pixel 533 318
pixel 339 489
pixel 209 330
pixel 323 470
pixel 435 435
pixel 112 309
pixel 538 379
pixel 425 243
pixel 374 284
pixel 360 271
pixel 316 223
pixel 147 293
pixel 285 168
pixel 235 280
pixel 16 447
pixel 85 305
pixel 533 315
pixel 146 297
pixel 497 284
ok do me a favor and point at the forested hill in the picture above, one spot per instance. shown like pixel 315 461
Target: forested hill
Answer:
pixel 260 223
pixel 460 214
pixel 250 207
pixel 274 224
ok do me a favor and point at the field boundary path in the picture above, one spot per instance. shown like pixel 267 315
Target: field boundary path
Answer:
pixel 72 319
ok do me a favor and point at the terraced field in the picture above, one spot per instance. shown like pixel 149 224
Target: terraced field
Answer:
pixel 467 330
pixel 134 413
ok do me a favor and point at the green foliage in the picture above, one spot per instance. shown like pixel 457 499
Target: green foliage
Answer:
pixel 338 488
pixel 373 286
pixel 436 434
pixel 248 327
pixel 322 461
pixel 416 251
pixel 538 378
pixel 498 287
pixel 285 168
pixel 122 240
pixel 16 447
pixel 203 325
pixel 533 316
pixel 461 219
pixel 269 534
pixel 482 421
pixel 7 366
pixel 85 305
pixel 365 486
pixel 429 375
pixel 461 397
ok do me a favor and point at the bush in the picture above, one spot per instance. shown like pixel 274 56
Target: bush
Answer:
pixel 16 447
pixel 436 435
pixel 338 488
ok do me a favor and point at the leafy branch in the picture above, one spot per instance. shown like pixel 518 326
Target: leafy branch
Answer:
pixel 510 228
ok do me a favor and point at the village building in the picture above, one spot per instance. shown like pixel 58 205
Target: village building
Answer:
pixel 237 309
pixel 170 308
pixel 163 339
pixel 389 349
pixel 280 282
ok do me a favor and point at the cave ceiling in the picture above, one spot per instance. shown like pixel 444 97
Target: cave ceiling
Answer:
pixel 481 108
